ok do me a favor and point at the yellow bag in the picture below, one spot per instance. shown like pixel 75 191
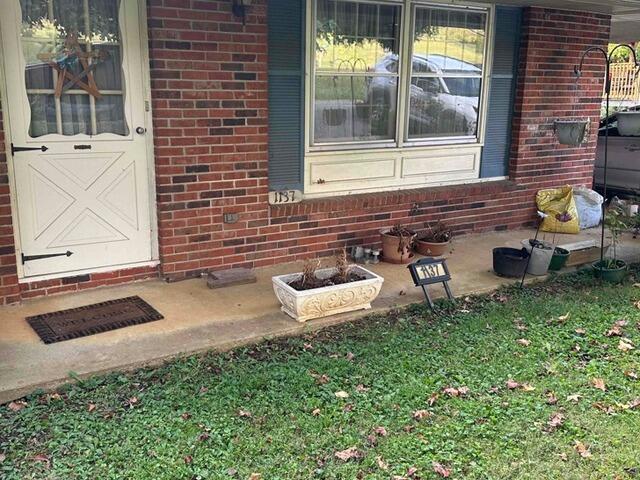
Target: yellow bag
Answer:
pixel 560 206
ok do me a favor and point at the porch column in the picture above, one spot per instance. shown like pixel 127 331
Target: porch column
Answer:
pixel 547 89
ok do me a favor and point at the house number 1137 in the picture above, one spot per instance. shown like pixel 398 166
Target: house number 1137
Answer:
pixel 282 197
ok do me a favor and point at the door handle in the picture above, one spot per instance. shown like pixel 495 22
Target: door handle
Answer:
pixel 141 130
pixel 15 149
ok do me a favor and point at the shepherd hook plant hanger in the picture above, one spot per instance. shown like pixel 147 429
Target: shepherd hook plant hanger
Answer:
pixel 608 57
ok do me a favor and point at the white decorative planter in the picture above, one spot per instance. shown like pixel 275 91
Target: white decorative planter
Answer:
pixel 323 302
pixel 629 123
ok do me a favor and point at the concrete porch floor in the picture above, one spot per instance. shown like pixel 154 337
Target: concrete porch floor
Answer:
pixel 198 319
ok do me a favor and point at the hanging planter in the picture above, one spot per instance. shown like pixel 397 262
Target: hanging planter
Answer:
pixel 571 132
pixel 629 123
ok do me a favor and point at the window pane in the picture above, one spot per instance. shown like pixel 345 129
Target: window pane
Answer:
pixel 451 38
pixel 444 107
pixel 354 108
pixel 73 54
pixel 447 69
pixel 355 37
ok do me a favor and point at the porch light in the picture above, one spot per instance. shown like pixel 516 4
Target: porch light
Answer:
pixel 240 8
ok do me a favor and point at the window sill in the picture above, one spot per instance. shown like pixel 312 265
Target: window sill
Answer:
pixel 392 146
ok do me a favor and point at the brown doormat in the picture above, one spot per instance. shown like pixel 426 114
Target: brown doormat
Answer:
pixel 91 319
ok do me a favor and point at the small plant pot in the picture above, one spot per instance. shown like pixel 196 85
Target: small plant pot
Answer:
pixel 571 132
pixel 432 249
pixel 629 124
pixel 509 262
pixel 612 275
pixel 391 251
pixel 559 259
pixel 541 256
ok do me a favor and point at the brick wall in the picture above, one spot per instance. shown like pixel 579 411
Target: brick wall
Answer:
pixel 209 91
pixel 9 290
pixel 552 43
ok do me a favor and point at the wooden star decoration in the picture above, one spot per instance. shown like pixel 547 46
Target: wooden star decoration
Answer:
pixel 72 53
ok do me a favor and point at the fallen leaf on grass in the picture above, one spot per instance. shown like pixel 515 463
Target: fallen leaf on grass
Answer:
pixel 525 387
pixel 347 408
pixel 348 454
pixel 582 449
pixel 361 388
pixel 341 394
pixel 432 399
pixel 626 345
pixel 581 331
pixel 512 384
pixel 575 398
pixel 555 421
pixel 631 374
pixel 17 405
pixel 456 392
pixel 551 398
pixel 524 342
pixel 564 318
pixel 441 470
pixel 188 459
pixel 632 405
pixel 322 379
pixel 91 407
pixel 614 331
pixel 382 465
pixel 350 356
pixel 608 409
pixel 244 414
pixel 43 459
pixel 599 384
pixel 255 476
pixel 422 414
pixel 315 412
pixel 3 457
pixel 412 471
pixel 380 431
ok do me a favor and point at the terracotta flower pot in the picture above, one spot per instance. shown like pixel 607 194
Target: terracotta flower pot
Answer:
pixel 432 249
pixel 393 251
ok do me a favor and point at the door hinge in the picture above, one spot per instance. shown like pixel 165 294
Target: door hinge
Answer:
pixel 15 149
pixel 28 258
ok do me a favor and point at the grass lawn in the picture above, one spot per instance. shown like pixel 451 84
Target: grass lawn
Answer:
pixel 539 384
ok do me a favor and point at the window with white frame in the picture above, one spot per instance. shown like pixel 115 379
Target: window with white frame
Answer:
pixel 395 72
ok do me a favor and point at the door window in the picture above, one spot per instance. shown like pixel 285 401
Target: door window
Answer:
pixel 73 75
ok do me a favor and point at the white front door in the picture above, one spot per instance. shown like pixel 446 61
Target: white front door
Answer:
pixel 77 125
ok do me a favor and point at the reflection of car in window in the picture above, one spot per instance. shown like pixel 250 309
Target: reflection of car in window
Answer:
pixel 441 104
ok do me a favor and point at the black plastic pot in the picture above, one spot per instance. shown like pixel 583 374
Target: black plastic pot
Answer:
pixel 510 262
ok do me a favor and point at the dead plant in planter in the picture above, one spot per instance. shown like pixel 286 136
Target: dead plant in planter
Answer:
pixel 436 233
pixel 309 278
pixel 343 269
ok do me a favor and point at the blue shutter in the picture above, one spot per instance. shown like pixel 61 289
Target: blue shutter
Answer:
pixel 286 93
pixel 495 155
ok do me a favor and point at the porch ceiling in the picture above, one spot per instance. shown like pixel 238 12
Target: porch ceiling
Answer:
pixel 625 13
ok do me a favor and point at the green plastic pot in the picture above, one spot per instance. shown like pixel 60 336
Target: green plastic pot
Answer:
pixel 612 275
pixel 559 259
